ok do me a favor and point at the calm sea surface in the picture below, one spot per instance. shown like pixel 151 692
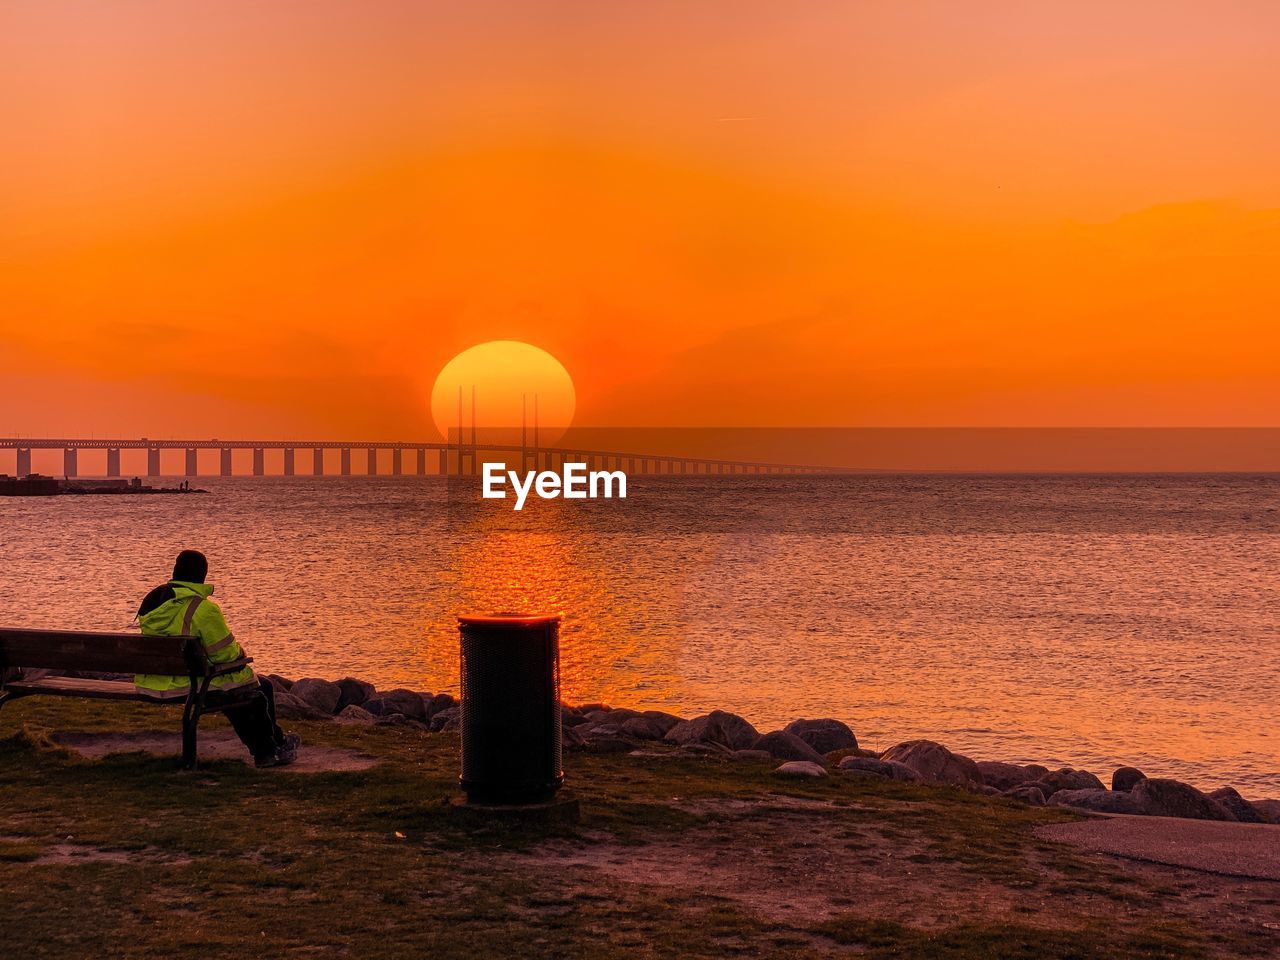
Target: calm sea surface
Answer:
pixel 1091 620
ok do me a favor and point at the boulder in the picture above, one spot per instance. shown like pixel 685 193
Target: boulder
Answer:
pixel 441 701
pixel 642 728
pixel 570 739
pixel 1159 797
pixel 1100 801
pixel 321 694
pixel 1068 778
pixel 573 720
pixel 727 729
pixel 600 731
pixel 1006 776
pixel 449 719
pixel 354 692
pixel 935 763
pixel 1268 810
pixel 664 720
pixel 1036 770
pixel 1126 778
pixel 823 735
pixel 801 768
pixel 404 702
pixel 786 746
pixel 352 714
pixel 290 707
pixel 870 767
pixel 706 749
pixel 1240 808
pixel 279 682
pixel 1027 793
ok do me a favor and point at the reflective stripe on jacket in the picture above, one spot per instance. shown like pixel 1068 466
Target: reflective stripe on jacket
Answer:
pixel 191 613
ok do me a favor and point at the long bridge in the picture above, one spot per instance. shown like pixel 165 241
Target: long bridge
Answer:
pixel 453 459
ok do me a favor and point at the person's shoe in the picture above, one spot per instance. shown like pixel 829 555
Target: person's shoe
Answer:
pixel 292 741
pixel 282 757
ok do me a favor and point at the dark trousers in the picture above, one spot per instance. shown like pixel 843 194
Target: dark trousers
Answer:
pixel 254 721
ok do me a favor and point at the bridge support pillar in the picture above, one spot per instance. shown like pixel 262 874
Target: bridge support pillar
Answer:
pixel 397 462
pixel 422 461
pixel 444 461
pixel 224 461
pixel 346 461
pixel 113 461
pixel 24 462
pixel 317 462
pixel 288 461
pixel 259 462
pixel 70 457
pixel 373 462
pixel 153 461
pixel 192 462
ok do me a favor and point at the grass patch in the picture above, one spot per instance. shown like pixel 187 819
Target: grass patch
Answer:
pixel 373 864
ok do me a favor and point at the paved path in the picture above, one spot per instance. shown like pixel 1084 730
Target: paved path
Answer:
pixel 1235 849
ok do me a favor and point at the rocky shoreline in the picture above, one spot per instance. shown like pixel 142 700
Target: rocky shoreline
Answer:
pixel 807 748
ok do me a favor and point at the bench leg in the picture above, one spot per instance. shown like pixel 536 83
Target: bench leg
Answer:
pixel 191 712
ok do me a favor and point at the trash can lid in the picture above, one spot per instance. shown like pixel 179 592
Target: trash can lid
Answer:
pixel 508 619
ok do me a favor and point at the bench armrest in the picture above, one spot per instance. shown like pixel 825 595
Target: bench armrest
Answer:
pixel 231 666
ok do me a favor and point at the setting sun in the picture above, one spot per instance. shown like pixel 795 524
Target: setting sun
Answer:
pixel 511 381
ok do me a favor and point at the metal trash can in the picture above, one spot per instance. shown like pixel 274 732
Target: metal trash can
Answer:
pixel 511 736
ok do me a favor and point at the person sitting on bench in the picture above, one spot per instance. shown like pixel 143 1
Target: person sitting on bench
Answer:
pixel 182 607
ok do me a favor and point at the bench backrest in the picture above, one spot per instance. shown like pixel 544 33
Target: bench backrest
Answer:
pixel 100 652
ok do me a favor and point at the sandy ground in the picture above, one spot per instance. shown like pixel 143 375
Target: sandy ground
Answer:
pixel 1250 850
pixel 214 745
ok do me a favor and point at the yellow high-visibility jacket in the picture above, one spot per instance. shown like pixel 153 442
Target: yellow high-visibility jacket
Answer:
pixel 191 613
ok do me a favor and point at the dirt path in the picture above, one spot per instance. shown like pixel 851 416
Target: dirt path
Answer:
pixel 1248 850
pixel 214 745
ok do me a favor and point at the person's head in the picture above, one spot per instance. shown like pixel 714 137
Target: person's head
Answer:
pixel 191 567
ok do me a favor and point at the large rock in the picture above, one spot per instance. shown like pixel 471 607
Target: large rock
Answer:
pixel 665 721
pixel 801 768
pixel 935 763
pixel 1126 778
pixel 354 692
pixel 289 707
pixel 356 716
pixel 450 719
pixel 786 746
pixel 1068 778
pixel 404 702
pixel 1159 797
pixel 324 695
pixel 1101 801
pixel 642 728
pixel 441 701
pixel 1240 808
pixel 823 735
pixel 718 727
pixel 870 767
pixel 279 682
pixel 1005 776
pixel 1268 810
pixel 1027 793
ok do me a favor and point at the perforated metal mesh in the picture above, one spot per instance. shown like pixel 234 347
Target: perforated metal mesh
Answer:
pixel 511 736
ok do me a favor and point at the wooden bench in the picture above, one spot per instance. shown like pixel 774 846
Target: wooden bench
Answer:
pixel 129 653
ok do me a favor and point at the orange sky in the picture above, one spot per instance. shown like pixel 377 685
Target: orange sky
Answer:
pixel 233 218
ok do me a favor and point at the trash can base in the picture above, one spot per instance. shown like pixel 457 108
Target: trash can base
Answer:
pixel 560 809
